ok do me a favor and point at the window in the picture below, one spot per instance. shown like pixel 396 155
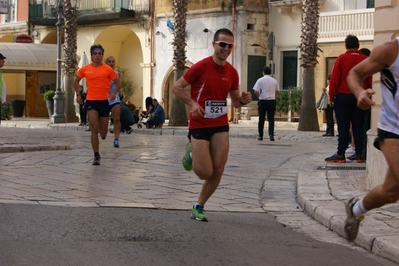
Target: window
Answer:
pixel 12 11
pixel 370 3
pixel 250 26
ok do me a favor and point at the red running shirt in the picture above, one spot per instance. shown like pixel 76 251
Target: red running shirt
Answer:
pixel 210 82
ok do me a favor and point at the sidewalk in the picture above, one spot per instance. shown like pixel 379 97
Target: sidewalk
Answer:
pixel 321 188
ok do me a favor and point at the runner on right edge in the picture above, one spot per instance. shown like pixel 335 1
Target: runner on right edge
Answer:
pixel 385 59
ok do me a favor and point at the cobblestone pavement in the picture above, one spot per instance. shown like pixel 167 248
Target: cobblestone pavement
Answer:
pixel 286 178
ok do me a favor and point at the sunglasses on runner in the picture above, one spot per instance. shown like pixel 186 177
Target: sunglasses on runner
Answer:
pixel 225 44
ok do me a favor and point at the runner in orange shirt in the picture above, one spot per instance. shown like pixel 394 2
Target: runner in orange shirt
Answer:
pixel 98 79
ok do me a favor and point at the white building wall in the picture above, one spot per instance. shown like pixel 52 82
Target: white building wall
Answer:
pixel 199 44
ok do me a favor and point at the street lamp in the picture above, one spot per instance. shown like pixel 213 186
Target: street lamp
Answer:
pixel 58 116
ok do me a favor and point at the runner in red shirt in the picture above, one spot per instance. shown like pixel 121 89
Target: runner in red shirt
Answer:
pixel 211 80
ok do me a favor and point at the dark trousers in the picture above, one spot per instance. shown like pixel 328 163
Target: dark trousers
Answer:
pixel 126 122
pixel 330 119
pixel 83 113
pixel 347 112
pixel 154 121
pixel 366 127
pixel 266 107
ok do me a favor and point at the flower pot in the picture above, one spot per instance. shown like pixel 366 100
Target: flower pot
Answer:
pixel 18 107
pixel 50 108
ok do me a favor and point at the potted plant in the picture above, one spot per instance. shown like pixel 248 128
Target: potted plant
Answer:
pixel 6 111
pixel 49 98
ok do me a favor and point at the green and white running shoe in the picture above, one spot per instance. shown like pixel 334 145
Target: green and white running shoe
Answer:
pixel 198 214
pixel 187 161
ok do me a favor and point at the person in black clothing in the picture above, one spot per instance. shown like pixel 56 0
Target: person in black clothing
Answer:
pixel 82 108
pixel 329 111
pixel 127 119
pixel 157 116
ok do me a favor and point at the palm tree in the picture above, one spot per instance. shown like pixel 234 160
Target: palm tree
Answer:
pixel 309 49
pixel 178 116
pixel 70 62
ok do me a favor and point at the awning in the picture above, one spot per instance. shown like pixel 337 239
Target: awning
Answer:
pixel 29 56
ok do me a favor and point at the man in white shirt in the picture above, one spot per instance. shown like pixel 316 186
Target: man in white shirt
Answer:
pixel 2 84
pixel 266 89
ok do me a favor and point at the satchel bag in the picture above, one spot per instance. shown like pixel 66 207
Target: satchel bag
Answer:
pixel 322 102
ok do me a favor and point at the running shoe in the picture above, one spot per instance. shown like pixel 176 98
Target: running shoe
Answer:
pixel 187 161
pixel 352 222
pixel 357 158
pixel 198 214
pixel 116 143
pixel 351 150
pixel 336 159
pixel 97 160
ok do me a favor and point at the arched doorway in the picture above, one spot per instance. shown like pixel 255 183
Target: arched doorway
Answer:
pixel 122 43
pixel 167 94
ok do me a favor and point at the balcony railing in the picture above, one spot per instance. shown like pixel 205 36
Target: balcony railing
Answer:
pixel 89 6
pixel 42 10
pixel 335 26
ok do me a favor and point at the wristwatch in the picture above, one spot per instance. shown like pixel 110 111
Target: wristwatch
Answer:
pixel 242 103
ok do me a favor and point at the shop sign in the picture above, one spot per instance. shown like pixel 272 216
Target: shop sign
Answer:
pixel 23 38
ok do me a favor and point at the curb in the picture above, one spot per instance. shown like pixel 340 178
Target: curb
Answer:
pixel 316 199
pixel 29 148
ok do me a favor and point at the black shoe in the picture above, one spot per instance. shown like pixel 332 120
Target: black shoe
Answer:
pixel 271 138
pixel 260 138
pixel 336 159
pixel 96 160
pixel 328 135
pixel 357 158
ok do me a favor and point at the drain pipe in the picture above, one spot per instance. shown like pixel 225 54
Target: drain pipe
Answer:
pixel 234 111
pixel 152 63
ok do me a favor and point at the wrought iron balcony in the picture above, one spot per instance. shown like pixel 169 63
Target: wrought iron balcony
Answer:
pixel 90 11
pixel 286 7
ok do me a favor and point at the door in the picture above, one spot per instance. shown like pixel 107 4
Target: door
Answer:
pixel 255 69
pixel 290 69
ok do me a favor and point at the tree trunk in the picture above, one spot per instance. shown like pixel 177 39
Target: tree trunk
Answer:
pixel 308 117
pixel 70 108
pixel 178 116
pixel 70 63
pixel 310 26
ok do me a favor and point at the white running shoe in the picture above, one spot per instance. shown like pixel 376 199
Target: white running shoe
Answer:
pixel 351 150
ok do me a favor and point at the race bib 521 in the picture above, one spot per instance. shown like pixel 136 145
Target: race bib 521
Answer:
pixel 214 109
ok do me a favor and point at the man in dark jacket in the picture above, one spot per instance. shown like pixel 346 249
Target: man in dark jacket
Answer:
pixel 157 116
pixel 127 119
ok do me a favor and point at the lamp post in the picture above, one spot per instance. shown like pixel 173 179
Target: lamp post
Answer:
pixel 59 100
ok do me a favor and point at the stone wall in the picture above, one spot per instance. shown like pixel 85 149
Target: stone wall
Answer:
pixel 385 30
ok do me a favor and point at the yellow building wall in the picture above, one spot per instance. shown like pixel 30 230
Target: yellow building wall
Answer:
pixel 15 84
pixel 129 44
